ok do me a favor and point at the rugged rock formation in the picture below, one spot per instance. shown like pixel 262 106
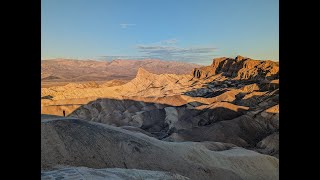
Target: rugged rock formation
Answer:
pixel 72 142
pixel 245 131
pixel 175 107
pixel 145 84
pixel 235 102
pixel 239 68
pixel 159 119
pixel 269 145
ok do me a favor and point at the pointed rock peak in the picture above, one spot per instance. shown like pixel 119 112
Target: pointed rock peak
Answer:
pixel 240 58
pixel 143 73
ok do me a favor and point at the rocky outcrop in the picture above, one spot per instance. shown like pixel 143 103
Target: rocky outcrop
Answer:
pixel 203 72
pixel 239 68
pixel 269 145
pixel 72 142
pixel 244 131
pixel 251 130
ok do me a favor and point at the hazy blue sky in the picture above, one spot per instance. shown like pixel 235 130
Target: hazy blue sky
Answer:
pixel 186 30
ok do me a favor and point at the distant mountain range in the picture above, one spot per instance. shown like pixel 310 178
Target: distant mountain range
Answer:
pixel 68 70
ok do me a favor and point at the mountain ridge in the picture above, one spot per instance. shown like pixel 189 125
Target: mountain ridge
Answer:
pixel 240 68
pixel 60 70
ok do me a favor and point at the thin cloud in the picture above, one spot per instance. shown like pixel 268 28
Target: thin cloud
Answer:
pixel 124 26
pixel 189 54
pixel 169 41
pixel 175 50
pixel 168 50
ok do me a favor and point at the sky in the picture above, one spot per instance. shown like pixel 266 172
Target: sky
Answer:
pixel 182 30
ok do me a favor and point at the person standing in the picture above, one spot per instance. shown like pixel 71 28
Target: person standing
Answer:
pixel 64 113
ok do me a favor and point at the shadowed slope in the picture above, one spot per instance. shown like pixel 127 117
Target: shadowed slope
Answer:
pixel 74 142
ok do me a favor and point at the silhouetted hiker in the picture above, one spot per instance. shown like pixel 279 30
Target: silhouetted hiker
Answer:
pixel 64 113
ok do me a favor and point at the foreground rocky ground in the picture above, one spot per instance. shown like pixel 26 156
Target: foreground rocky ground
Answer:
pixel 73 142
pixel 217 121
pixel 83 173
